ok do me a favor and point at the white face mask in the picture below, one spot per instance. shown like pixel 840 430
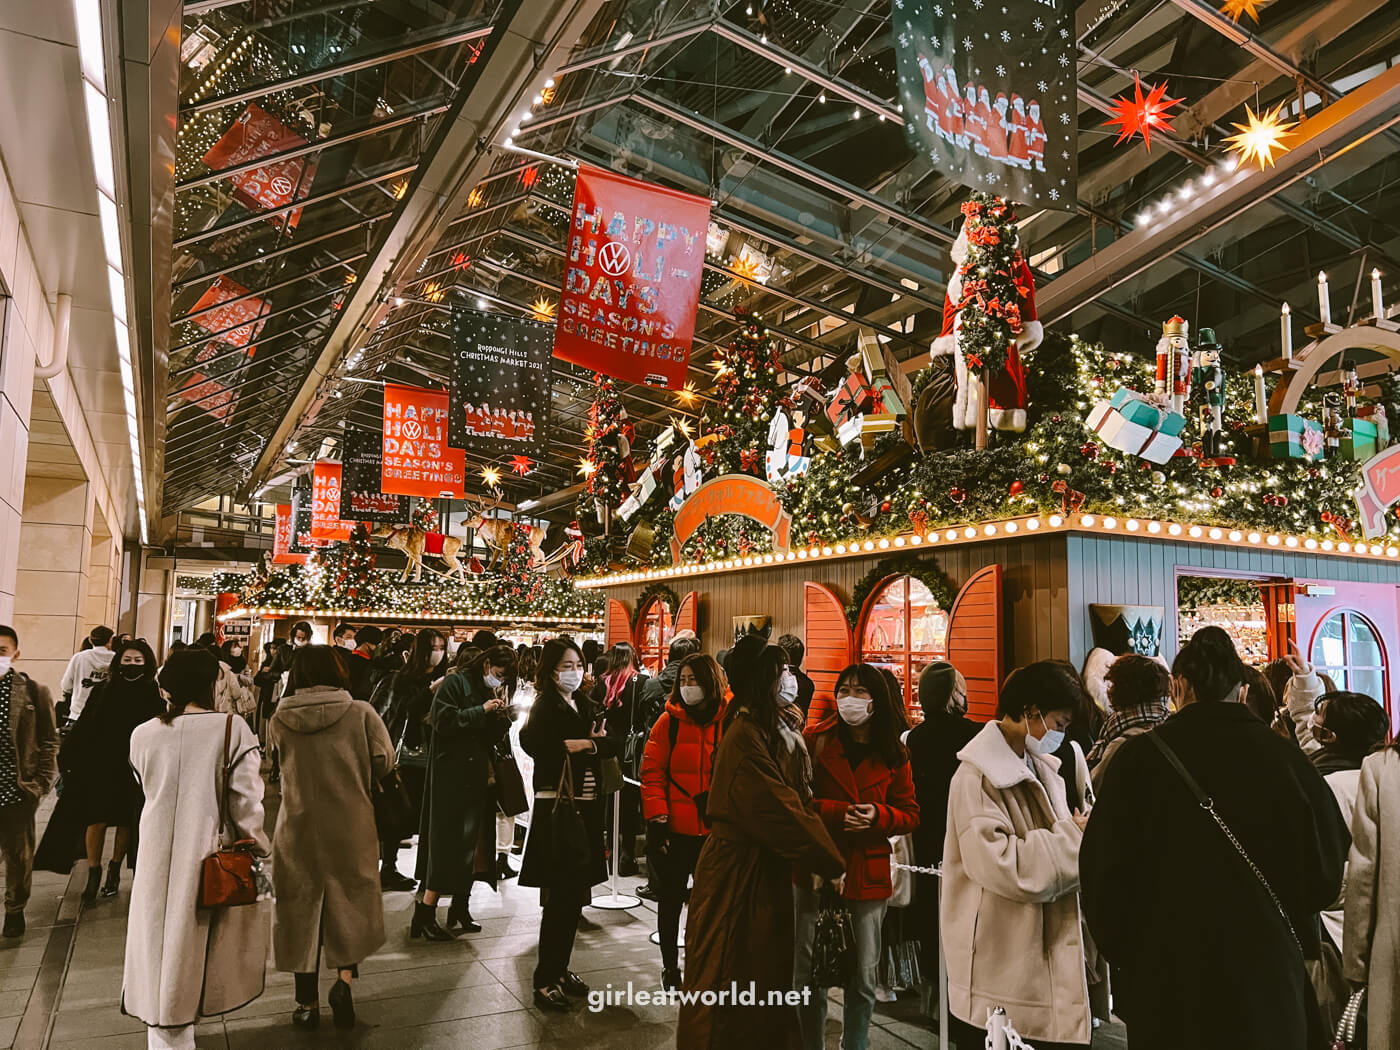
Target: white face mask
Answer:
pixel 692 694
pixel 297 643
pixel 787 689
pixel 854 710
pixel 5 662
pixel 492 682
pixel 569 680
pixel 348 643
pixel 436 658
pixel 1049 743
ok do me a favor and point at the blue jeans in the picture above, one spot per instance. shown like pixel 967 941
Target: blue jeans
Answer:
pixel 866 918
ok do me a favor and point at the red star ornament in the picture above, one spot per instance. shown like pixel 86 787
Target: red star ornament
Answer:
pixel 1140 114
pixel 521 465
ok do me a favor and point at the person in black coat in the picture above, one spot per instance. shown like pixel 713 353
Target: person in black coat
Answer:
pixel 806 688
pixel 619 694
pixel 933 747
pixel 564 727
pixel 1201 955
pixel 99 788
pixel 405 714
pixel 467 718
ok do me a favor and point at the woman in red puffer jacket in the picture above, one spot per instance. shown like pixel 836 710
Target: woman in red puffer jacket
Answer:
pixel 677 765
pixel 863 789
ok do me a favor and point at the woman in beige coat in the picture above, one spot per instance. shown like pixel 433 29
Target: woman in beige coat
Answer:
pixel 1010 910
pixel 1371 936
pixel 183 963
pixel 325 854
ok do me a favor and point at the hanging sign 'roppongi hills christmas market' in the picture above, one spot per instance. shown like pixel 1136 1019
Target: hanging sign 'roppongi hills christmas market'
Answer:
pixel 657 385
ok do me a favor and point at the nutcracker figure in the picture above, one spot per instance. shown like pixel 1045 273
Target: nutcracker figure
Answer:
pixel 1351 385
pixel 1208 375
pixel 1333 429
pixel 1174 364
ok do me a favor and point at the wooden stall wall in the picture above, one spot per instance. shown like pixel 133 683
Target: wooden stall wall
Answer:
pixel 1034 575
pixel 1119 570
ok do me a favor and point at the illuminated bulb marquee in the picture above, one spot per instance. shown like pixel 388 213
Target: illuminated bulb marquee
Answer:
pixel 395 616
pixel 1098 524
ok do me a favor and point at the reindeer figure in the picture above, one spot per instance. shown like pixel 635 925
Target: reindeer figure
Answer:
pixel 497 533
pixel 413 543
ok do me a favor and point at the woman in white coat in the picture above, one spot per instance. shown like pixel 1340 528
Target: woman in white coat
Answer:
pixel 184 963
pixel 1371 937
pixel 1010 909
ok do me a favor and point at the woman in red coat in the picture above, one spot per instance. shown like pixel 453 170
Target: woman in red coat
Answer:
pixel 864 792
pixel 677 767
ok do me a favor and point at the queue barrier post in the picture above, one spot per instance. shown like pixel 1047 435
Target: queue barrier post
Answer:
pixel 616 901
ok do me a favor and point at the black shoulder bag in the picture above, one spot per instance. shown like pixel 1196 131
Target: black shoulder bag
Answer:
pixel 1208 804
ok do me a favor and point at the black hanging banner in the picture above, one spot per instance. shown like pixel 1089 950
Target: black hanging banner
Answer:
pixel 501 378
pixel 360 472
pixel 302 543
pixel 989 95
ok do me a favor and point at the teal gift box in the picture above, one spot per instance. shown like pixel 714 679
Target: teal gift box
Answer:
pixel 1361 444
pixel 1293 437
pixel 1132 407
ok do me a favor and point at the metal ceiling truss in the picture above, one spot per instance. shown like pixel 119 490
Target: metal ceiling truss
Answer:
pixel 294 246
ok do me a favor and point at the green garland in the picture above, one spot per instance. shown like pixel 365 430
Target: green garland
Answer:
pixel 655 590
pixel 1195 592
pixel 921 567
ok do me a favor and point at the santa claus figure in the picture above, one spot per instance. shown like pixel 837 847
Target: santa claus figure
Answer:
pixel 1173 385
pixel 1017 144
pixel 1035 136
pixel 933 96
pixel 953 110
pixel 974 123
pixel 1006 389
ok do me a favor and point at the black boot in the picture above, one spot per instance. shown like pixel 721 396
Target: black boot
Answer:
pixel 114 878
pixel 459 916
pixel 503 868
pixel 390 879
pixel 425 924
pixel 94 880
pixel 627 865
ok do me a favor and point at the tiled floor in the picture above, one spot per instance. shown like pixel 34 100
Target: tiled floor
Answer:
pixel 473 994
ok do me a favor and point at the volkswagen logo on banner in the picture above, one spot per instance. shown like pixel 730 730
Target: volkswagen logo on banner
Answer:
pixel 615 258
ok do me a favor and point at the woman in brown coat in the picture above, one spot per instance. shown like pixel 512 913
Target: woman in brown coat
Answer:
pixel 740 928
pixel 325 853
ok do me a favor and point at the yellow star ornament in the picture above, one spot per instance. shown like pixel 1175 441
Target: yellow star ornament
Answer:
pixel 1236 8
pixel 1258 140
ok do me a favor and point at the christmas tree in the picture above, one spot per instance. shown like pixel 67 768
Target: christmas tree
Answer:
pixel 517 579
pixel 425 517
pixel 746 393
pixel 341 573
pixel 991 314
pixel 607 468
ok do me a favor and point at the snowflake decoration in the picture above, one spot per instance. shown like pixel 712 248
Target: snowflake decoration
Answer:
pixel 1064 154
pixel 903 39
pixel 1005 37
pixel 1064 34
pixel 1064 118
pixel 1039 25
pixel 938 10
pixel 1054 194
pixel 967 43
pixel 1042 86
pixel 977 4
pixel 1064 60
pixel 1001 71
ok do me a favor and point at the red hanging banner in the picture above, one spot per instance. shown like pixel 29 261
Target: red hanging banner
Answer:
pixel 234 324
pixel 632 283
pixel 417 459
pixel 326 523
pixel 282 538
pixel 257 133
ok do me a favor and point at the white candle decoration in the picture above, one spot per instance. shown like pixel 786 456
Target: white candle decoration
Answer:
pixel 1377 306
pixel 1324 301
pixel 1261 409
pixel 1286 322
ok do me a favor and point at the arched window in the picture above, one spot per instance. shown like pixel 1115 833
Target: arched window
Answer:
pixel 1347 648
pixel 654 630
pixel 905 630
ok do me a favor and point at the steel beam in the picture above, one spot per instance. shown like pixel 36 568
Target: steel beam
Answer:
pixel 1368 111
pixel 210 275
pixel 255 293
pixel 601 55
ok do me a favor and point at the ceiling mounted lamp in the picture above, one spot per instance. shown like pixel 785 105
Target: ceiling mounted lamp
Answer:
pixel 1235 8
pixel 1142 114
pixel 1258 140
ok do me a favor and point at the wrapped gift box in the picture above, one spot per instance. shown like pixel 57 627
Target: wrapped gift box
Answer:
pixel 890 384
pixel 1133 425
pixel 1360 445
pixel 1293 437
pixel 875 424
pixel 854 398
pixel 1375 414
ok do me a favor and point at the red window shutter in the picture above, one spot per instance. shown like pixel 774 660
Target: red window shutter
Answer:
pixel 618 626
pixel 975 640
pixel 828 642
pixel 688 613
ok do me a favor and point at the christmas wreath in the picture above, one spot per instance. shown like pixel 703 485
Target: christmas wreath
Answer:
pixel 922 568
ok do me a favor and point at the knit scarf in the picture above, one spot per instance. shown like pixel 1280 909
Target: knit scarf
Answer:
pixel 1139 716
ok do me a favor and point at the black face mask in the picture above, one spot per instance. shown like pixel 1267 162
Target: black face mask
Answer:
pixel 133 673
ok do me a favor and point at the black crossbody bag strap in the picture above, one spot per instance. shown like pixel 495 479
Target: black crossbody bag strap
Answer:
pixel 1208 804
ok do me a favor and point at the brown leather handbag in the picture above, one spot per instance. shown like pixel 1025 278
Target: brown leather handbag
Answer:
pixel 226 879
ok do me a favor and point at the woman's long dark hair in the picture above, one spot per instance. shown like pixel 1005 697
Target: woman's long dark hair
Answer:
pixel 236 663
pixel 711 678
pixel 1210 664
pixel 420 657
pixel 622 656
pixel 114 671
pixel 318 667
pixel 496 656
pixel 754 670
pixel 188 677
pixel 885 723
pixel 554 651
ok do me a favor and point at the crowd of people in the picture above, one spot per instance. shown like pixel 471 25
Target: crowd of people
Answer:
pixel 1206 859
